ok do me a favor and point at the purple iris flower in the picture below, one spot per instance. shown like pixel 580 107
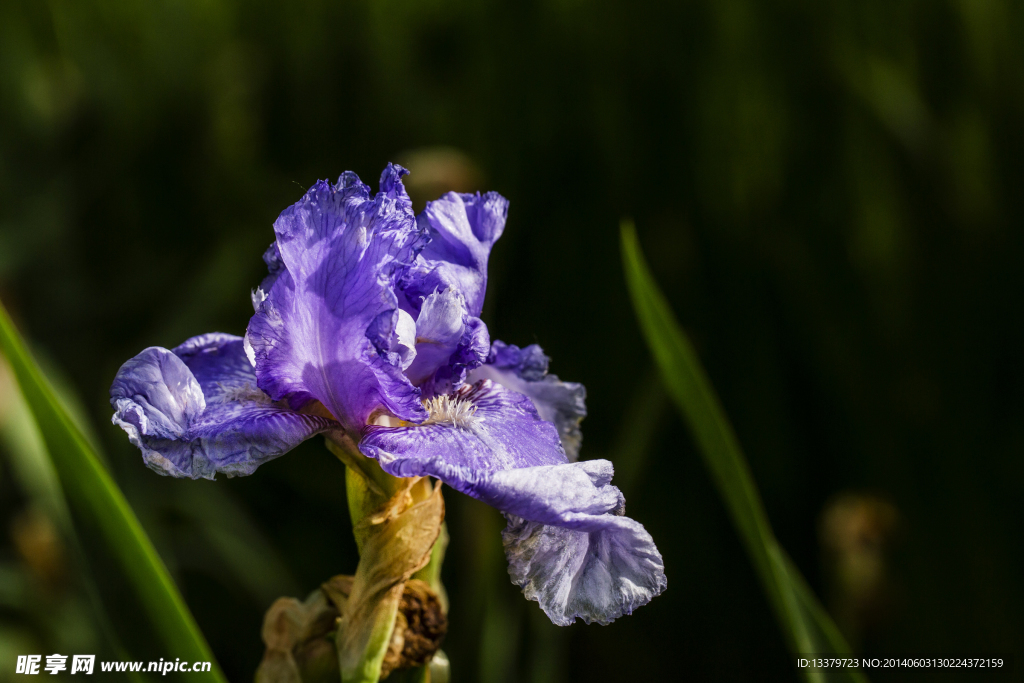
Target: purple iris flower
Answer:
pixel 368 326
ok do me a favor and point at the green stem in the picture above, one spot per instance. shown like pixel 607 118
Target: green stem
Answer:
pixel 369 490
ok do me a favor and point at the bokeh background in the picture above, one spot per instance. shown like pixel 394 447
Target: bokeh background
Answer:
pixel 828 192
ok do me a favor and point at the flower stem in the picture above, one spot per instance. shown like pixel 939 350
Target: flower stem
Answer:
pixel 399 531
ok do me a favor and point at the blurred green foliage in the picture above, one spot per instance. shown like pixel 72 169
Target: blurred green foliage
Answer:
pixel 826 193
pixel 73 488
pixel 804 622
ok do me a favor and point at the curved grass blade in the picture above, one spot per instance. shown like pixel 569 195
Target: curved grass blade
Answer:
pixel 95 501
pixel 804 622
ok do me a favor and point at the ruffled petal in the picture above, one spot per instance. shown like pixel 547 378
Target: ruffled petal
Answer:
pixel 462 228
pixel 317 332
pixel 214 361
pixel 449 343
pixel 479 429
pixel 275 266
pixel 470 353
pixel 526 371
pixel 196 411
pixel 439 328
pixel 567 545
pixel 596 574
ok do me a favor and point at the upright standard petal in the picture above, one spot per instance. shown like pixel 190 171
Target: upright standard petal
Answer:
pixel 526 371
pixel 567 544
pixel 449 343
pixel 439 327
pixel 462 229
pixel 196 410
pixel 328 315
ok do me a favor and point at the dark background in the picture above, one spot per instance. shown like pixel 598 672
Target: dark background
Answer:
pixel 828 193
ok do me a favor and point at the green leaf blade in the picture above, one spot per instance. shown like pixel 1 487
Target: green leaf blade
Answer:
pixel 804 622
pixel 95 500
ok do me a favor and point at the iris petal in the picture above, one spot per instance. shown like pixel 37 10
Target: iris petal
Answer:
pixel 566 544
pixel 462 229
pixel 479 429
pixel 196 411
pixel 449 343
pixel 596 574
pixel 439 329
pixel 338 254
pixel 526 371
